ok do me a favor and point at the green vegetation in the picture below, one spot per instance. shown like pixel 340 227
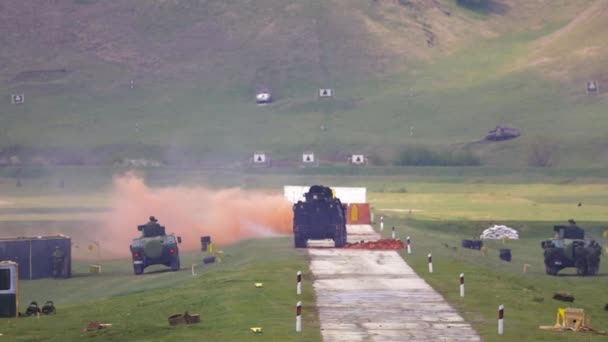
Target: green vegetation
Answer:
pixel 138 306
pixel 444 214
pixel 421 156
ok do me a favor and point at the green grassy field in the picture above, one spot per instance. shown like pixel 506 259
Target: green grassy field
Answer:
pixel 445 210
pixel 138 306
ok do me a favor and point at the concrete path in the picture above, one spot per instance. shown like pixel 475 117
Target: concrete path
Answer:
pixel 367 295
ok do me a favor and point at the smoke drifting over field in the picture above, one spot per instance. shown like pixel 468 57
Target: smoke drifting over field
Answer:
pixel 228 216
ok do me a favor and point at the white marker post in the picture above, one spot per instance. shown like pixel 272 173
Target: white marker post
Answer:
pixel 381 223
pixel 430 263
pixel 299 317
pixel 501 319
pixel 461 284
pixel 393 234
pixel 409 246
pixel 193 273
pixel 299 284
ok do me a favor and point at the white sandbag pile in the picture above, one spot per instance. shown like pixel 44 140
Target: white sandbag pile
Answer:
pixel 499 232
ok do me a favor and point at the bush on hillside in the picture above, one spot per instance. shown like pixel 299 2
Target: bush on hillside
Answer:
pixel 542 153
pixel 473 3
pixel 422 156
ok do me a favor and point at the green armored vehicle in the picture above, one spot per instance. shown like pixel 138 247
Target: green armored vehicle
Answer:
pixel 154 247
pixel 570 249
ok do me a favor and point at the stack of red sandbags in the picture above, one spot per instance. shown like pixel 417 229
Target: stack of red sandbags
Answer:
pixel 385 244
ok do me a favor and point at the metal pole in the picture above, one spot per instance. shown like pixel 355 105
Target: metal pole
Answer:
pixel 299 283
pixel 461 284
pixel 501 319
pixel 299 317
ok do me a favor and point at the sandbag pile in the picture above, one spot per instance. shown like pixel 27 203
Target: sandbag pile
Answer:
pixel 499 232
pixel 385 244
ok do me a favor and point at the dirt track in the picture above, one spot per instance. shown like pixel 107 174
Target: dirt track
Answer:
pixel 367 295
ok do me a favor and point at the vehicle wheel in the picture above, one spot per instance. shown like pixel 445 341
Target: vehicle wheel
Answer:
pixel 339 241
pixel 175 265
pixel 593 264
pixel 138 269
pixel 550 268
pixel 581 262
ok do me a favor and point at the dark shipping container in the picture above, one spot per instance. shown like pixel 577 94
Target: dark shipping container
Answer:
pixel 35 255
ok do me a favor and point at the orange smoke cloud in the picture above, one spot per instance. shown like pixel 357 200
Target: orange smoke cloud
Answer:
pixel 228 216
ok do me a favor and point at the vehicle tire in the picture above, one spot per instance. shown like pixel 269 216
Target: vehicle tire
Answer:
pixel 339 240
pixel 138 269
pixel 299 241
pixel 580 262
pixel 550 267
pixel 593 263
pixel 175 265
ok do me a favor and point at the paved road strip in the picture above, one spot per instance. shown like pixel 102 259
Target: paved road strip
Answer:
pixel 365 295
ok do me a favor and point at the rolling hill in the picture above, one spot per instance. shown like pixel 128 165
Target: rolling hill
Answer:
pixel 175 80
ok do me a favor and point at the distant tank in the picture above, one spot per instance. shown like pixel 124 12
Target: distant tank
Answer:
pixel 320 216
pixel 570 248
pixel 154 247
pixel 502 133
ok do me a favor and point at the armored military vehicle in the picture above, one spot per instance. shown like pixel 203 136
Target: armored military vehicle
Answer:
pixel 320 216
pixel 570 248
pixel 502 133
pixel 154 247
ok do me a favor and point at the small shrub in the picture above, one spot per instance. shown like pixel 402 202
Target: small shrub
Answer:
pixel 422 156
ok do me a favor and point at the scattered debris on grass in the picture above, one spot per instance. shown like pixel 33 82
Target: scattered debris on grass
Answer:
pixel 384 244
pixel 563 296
pixel 185 318
pixel 92 326
pixel 499 232
pixel 256 330
pixel 572 319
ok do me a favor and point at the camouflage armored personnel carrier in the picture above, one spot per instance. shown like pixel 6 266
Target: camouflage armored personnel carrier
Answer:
pixel 320 216
pixel 154 247
pixel 570 248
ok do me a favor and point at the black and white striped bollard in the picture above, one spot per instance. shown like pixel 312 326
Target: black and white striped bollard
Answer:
pixel 430 263
pixel 299 283
pixel 501 319
pixel 299 317
pixel 409 246
pixel 393 234
pixel 461 284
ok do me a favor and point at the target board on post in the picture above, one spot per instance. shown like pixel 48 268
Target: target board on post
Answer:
pixel 308 158
pixel 260 159
pixel 593 87
pixel 17 98
pixel 325 92
pixel 358 159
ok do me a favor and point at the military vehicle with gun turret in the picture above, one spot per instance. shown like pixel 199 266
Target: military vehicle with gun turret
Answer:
pixel 320 216
pixel 154 247
pixel 570 248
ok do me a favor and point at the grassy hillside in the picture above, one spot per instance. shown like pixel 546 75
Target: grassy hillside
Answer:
pixel 448 72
